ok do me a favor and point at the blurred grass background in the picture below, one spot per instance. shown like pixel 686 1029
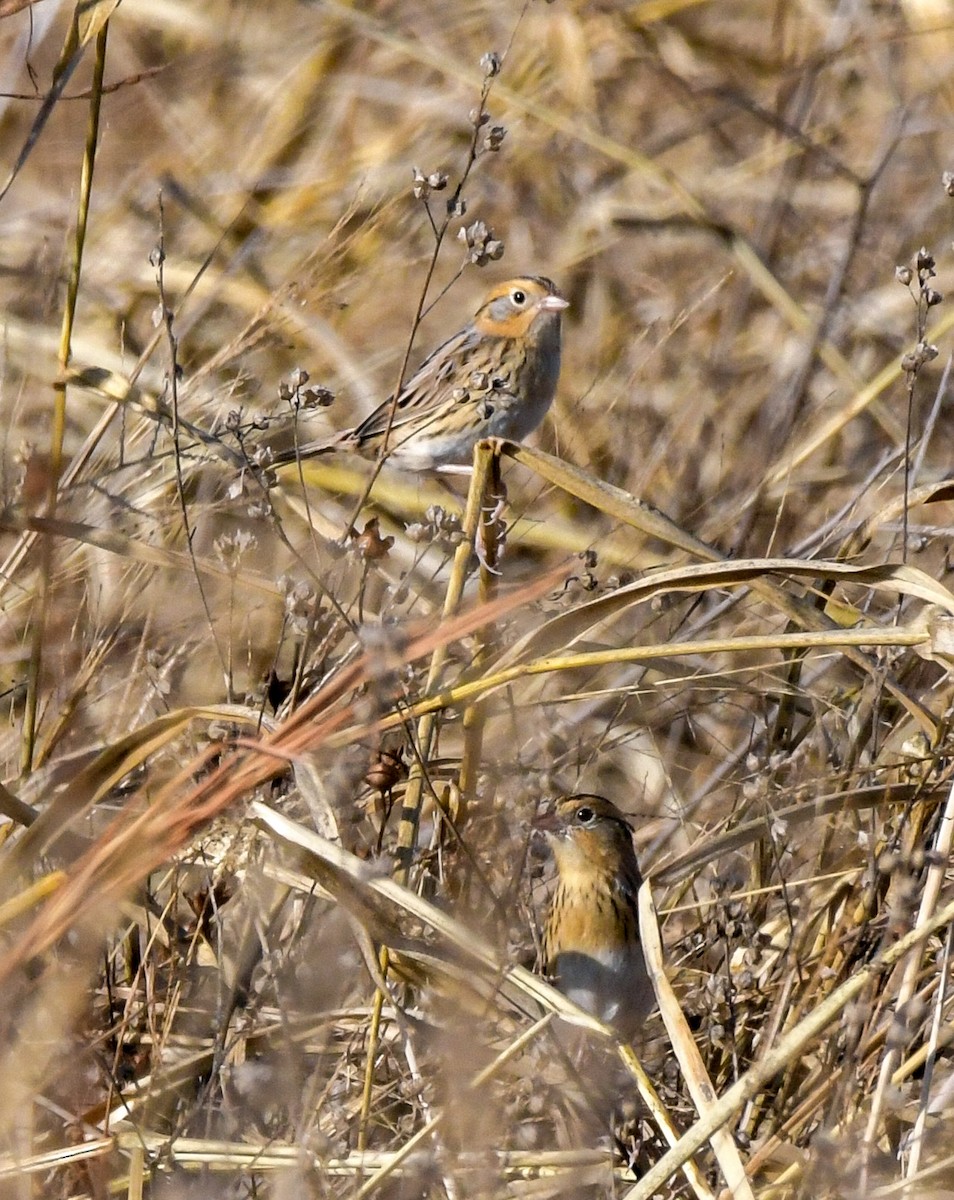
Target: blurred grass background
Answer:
pixel 724 193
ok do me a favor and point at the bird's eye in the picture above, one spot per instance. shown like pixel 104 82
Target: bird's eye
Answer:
pixel 519 297
pixel 585 814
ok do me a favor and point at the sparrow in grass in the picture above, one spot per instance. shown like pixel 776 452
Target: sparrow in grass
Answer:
pixel 591 945
pixel 495 378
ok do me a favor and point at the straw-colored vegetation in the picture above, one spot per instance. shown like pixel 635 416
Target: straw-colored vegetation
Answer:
pixel 272 745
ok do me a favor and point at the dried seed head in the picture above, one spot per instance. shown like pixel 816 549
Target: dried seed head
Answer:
pixel 925 260
pixel 495 135
pixel 387 768
pixel 301 398
pixel 922 353
pixel 481 244
pixel 436 181
pixel 371 546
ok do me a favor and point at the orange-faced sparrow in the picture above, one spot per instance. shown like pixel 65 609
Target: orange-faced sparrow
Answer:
pixel 591 941
pixel 495 378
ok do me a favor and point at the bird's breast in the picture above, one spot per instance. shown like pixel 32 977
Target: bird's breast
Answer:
pixel 593 952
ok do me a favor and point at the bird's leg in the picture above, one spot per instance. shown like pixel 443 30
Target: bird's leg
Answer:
pixel 491 528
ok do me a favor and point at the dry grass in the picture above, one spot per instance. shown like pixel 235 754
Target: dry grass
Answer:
pixel 201 669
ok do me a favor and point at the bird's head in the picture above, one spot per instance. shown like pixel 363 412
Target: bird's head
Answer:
pixel 510 309
pixel 589 835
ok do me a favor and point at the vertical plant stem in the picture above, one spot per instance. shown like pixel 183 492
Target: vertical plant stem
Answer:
pixel 427 727
pixel 411 809
pixel 374 1032
pixel 475 715
pixel 44 575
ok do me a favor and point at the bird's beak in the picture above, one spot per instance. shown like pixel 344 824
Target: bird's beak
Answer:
pixel 553 304
pixel 546 822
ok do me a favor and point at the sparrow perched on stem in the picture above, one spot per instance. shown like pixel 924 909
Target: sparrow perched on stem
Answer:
pixel 591 940
pixel 495 378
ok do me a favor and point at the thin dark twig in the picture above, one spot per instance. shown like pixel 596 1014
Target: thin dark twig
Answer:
pixel 158 258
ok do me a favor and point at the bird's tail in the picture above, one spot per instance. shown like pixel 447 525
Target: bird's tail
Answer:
pixel 306 450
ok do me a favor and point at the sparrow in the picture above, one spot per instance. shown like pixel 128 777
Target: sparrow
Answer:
pixel 495 378
pixel 591 945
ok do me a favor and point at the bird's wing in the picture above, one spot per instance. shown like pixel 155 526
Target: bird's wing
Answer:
pixel 428 387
